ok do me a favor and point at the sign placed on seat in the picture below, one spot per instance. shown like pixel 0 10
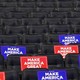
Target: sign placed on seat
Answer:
pixel 33 62
pixel 52 75
pixel 2 76
pixel 7 50
pixel 68 39
pixel 64 50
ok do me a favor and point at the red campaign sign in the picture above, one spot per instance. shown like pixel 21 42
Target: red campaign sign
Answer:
pixel 33 62
pixel 2 75
pixel 64 50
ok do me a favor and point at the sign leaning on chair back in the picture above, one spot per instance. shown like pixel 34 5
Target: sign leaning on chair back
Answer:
pixel 69 39
pixel 2 76
pixel 52 75
pixel 33 62
pixel 8 50
pixel 65 49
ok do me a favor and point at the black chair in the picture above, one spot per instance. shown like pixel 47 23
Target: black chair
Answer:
pixel 55 61
pixel 27 74
pixel 2 63
pixel 10 75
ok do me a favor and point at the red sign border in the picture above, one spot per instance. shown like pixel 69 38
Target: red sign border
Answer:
pixel 3 73
pixel 35 57
pixel 64 46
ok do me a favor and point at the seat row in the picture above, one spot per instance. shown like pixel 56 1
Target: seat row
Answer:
pixel 66 4
pixel 39 21
pixel 28 39
pixel 21 62
pixel 70 74
pixel 40 29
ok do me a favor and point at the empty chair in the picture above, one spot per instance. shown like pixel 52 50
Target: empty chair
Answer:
pixel 31 49
pixel 47 10
pixel 2 63
pixel 52 39
pixel 46 0
pixel 27 74
pixel 55 61
pixel 9 39
pixel 15 30
pixel 9 75
pixel 72 74
pixel 25 9
pixel 1 4
pixel 72 61
pixel 76 14
pixel 65 4
pixel 10 4
pixel 38 29
pixel 38 14
pixel 31 21
pixel 74 21
pixel 2 31
pixel 13 62
pixel 12 22
pixel 5 14
pixel 65 9
pixel 10 1
pixel 8 10
pixel 57 14
pixel 28 4
pixel 60 29
pixel 9 21
pixel 32 39
pixel 19 14
pixel 1 15
pixel 27 0
pixel 76 29
pixel 47 49
pixel 46 4
pixel 2 0
pixel 51 21
pixel 78 3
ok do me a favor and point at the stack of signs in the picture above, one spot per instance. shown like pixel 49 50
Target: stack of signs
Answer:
pixel 68 39
pixel 33 62
pixel 64 50
pixel 7 50
pixel 52 75
pixel 2 76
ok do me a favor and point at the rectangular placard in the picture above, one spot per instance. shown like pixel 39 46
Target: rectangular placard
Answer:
pixel 52 75
pixel 65 49
pixel 7 50
pixel 2 76
pixel 33 62
pixel 68 39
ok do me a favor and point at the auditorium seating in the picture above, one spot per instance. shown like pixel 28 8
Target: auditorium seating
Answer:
pixel 37 25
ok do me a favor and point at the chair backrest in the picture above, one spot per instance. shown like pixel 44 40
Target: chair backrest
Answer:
pixel 72 61
pixel 9 75
pixel 29 74
pixel 2 63
pixel 55 61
